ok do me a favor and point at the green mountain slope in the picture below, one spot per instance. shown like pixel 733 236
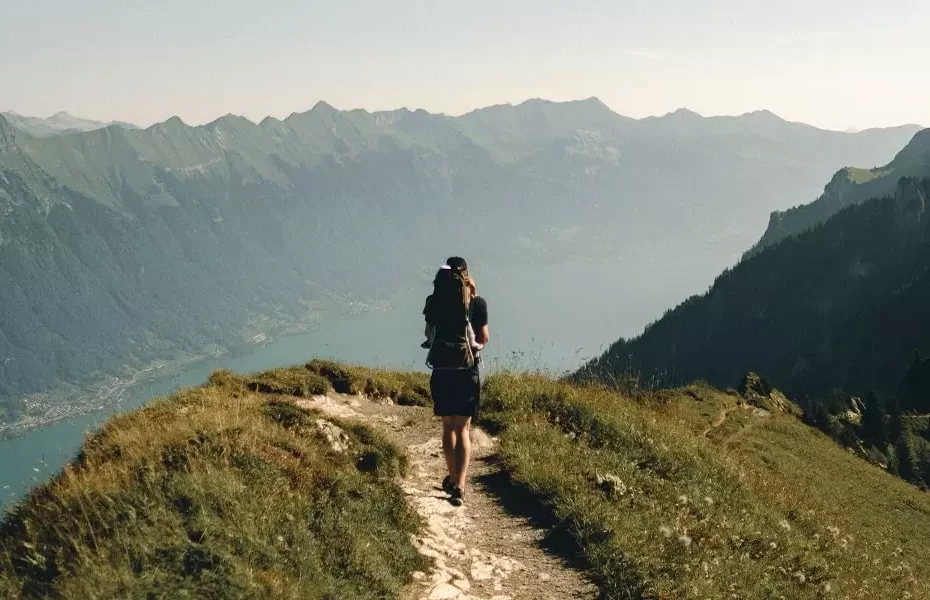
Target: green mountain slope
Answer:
pixel 218 492
pixel 840 306
pixel 231 490
pixel 851 186
pixel 122 247
pixel 696 493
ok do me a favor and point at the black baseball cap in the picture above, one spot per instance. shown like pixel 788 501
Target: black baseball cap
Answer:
pixel 457 262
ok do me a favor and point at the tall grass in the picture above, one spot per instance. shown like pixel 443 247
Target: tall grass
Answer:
pixel 763 508
pixel 217 492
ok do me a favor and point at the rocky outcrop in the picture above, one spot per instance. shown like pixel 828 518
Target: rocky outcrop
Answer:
pixel 7 135
pixel 756 391
pixel 910 203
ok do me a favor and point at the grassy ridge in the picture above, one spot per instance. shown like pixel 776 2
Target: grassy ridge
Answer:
pixel 217 492
pixel 759 507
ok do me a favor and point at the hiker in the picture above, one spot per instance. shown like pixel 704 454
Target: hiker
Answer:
pixel 457 329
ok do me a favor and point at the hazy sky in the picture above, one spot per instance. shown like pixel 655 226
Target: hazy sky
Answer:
pixel 832 63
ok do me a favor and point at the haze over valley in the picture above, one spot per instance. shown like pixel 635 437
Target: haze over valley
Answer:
pixel 263 228
pixel 242 355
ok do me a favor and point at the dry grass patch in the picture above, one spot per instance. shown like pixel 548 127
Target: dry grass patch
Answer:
pixel 217 492
pixel 404 388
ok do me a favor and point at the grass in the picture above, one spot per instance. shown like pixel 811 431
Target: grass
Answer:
pixel 232 491
pixel 760 507
pixel 224 491
pixel 404 388
pixel 860 176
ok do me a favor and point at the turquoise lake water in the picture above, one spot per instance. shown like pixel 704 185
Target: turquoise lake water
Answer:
pixel 541 319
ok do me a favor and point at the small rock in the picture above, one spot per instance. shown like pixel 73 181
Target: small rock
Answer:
pixel 444 591
pixel 480 440
pixel 462 584
pixel 611 484
pixel 545 576
pixel 441 576
pixel 337 438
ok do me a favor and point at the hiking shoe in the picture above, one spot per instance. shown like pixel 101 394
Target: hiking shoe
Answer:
pixel 457 498
pixel 447 485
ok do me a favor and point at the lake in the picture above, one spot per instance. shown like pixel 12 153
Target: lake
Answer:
pixel 548 319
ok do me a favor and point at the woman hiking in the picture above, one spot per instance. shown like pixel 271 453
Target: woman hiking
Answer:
pixel 457 328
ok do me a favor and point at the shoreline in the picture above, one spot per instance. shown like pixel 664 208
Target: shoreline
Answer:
pixel 71 402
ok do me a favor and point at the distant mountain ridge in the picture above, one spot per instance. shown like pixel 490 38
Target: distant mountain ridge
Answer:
pixel 58 124
pixel 119 247
pixel 850 186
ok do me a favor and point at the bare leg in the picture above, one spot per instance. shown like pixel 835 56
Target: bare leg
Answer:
pixel 449 439
pixel 462 453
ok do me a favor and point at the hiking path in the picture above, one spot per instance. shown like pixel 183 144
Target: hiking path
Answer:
pixel 482 550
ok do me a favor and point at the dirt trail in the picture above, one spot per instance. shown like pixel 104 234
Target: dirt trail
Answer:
pixel 480 551
pixel 721 419
pixel 756 415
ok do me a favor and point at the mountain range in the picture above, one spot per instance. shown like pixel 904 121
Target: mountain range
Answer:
pixel 120 247
pixel 58 124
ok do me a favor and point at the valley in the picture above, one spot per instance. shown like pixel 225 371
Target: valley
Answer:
pixel 268 223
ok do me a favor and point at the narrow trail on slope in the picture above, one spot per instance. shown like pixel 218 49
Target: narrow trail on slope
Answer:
pixel 755 414
pixel 480 551
pixel 720 420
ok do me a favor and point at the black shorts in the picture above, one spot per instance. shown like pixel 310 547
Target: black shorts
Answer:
pixel 455 392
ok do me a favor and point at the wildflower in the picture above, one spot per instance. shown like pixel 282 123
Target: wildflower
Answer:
pixel 666 531
pixel 685 540
pixel 801 577
pixel 682 499
pixel 784 524
pixel 708 500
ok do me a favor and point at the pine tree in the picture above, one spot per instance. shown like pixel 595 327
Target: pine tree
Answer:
pixel 875 420
pixel 907 461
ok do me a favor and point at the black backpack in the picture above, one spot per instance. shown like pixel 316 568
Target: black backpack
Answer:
pixel 447 311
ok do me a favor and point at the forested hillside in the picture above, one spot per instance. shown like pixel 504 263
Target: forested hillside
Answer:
pixel 121 247
pixel 842 306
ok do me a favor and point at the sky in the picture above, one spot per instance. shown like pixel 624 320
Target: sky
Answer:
pixel 837 64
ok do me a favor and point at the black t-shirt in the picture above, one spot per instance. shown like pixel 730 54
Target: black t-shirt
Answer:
pixel 477 313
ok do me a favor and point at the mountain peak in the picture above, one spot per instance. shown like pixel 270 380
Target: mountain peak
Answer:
pixel 684 113
pixel 171 124
pixel 762 115
pixel 231 120
pixel 914 158
pixel 594 101
pixel 323 108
